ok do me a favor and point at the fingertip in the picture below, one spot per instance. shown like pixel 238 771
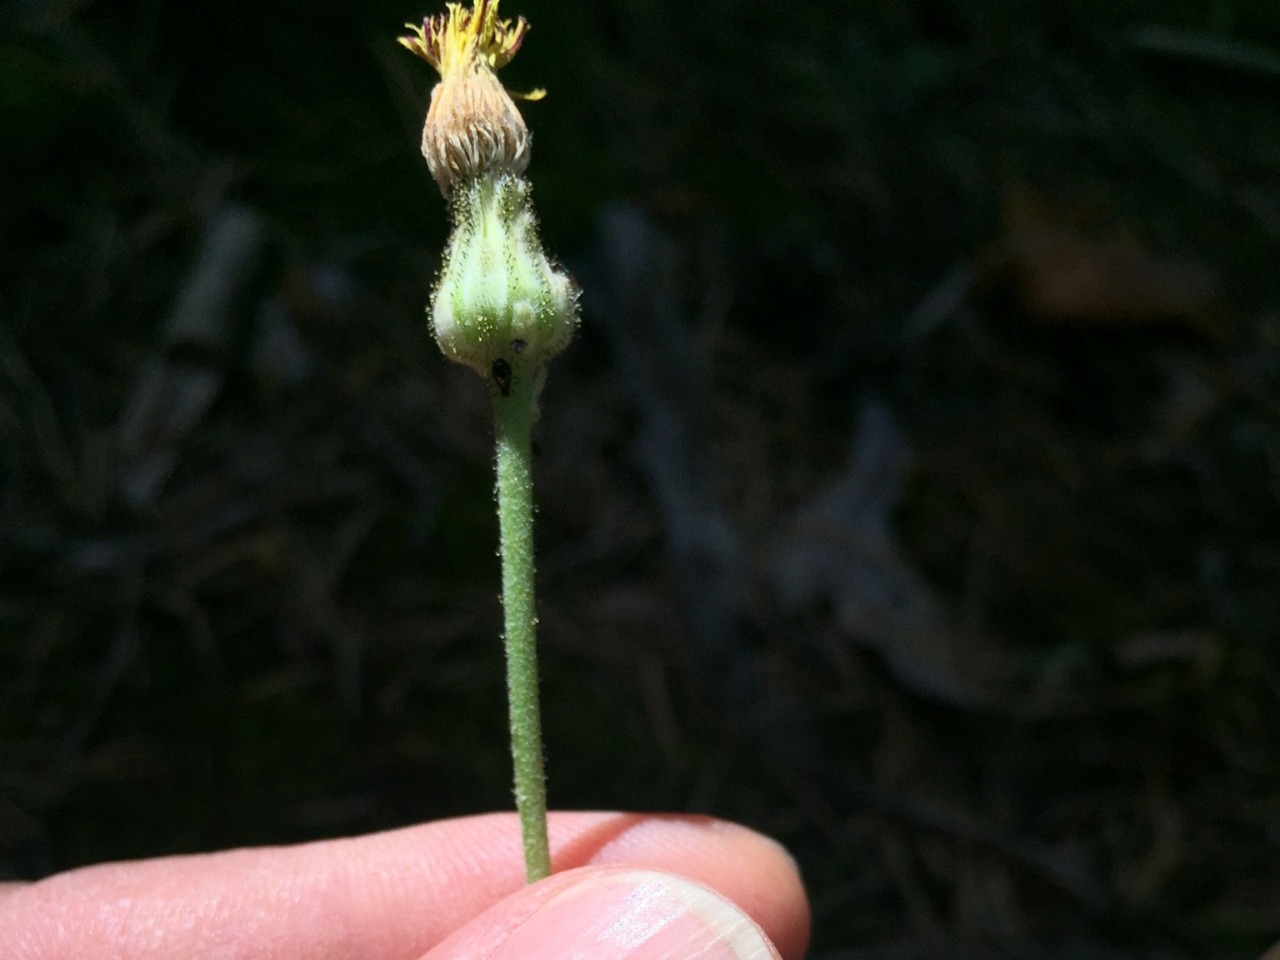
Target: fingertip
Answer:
pixel 750 869
pixel 611 913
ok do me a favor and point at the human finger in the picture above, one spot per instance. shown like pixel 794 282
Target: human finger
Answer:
pixel 610 913
pixel 386 895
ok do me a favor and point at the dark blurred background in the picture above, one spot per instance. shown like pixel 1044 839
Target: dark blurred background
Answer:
pixel 910 492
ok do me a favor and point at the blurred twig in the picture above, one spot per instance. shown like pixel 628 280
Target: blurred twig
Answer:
pixel 1205 48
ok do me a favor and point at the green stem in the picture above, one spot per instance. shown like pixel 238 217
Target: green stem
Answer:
pixel 513 423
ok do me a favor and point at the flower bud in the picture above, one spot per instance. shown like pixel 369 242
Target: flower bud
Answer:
pixel 500 305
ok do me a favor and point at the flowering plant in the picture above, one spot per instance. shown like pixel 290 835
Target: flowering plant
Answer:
pixel 504 309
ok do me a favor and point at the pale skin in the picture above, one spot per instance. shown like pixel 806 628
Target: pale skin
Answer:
pixel 446 890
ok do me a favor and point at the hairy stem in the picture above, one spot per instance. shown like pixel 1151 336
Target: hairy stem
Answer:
pixel 513 422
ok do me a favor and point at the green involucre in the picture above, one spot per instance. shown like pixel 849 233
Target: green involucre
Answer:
pixel 499 297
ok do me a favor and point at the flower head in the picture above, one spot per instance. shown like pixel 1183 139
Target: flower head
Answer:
pixel 472 124
pixel 500 306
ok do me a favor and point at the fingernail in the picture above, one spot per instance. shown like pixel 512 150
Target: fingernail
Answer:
pixel 637 915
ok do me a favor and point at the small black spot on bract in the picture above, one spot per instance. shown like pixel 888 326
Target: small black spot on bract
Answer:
pixel 517 346
pixel 501 371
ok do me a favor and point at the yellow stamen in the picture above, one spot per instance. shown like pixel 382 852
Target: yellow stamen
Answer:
pixel 451 40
